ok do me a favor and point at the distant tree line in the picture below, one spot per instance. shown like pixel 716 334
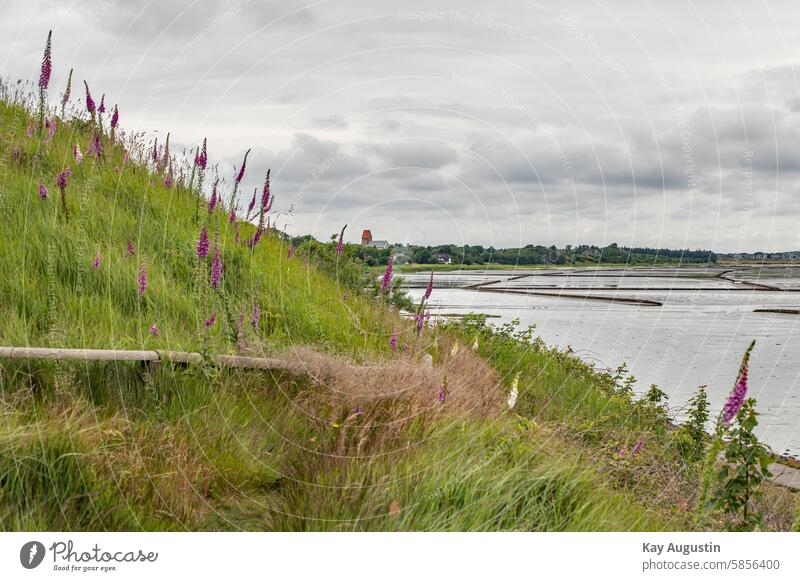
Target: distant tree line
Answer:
pixel 532 254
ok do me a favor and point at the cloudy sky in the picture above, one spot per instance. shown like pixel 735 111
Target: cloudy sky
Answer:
pixel 496 122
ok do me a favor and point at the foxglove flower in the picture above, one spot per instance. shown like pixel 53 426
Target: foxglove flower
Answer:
pixel 212 203
pixel 90 106
pixel 43 193
pixel 427 294
pixel 76 150
pixel 255 315
pixel 67 92
pixel 102 107
pixel 637 447
pixel 142 278
pixel 131 249
pixel 240 175
pixel 216 267
pixel 169 179
pixel 114 121
pixel 265 195
pixel 256 237
pixel 340 244
pixel 386 283
pixel 47 64
pixel 202 159
pixel 252 203
pixel 211 320
pixel 96 261
pixel 513 394
pixel 44 79
pixel 155 151
pixel 737 395
pixel 97 147
pixel 154 330
pixel 393 341
pixel 62 179
pixel 232 215
pixel 203 243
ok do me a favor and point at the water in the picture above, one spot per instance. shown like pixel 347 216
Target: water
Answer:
pixel 695 337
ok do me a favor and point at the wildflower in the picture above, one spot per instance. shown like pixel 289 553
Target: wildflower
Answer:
pixel 96 148
pixel 514 393
pixel 211 320
pixel 232 215
pixel 90 106
pixel 622 451
pixel 393 341
pixel 102 107
pixel 44 79
pixel 155 151
pixel 256 237
pixel 51 127
pixel 169 178
pixel 202 159
pixel 429 289
pixel 96 261
pixel 212 203
pixel 737 395
pixel 216 267
pixel 340 244
pixel 47 64
pixel 131 249
pixel 357 411
pixel 165 159
pixel 142 278
pixel 240 175
pixel 637 447
pixel 419 318
pixel 255 316
pixel 67 92
pixel 63 178
pixel 43 193
pixel 265 201
pixel 76 150
pixel 114 122
pixel 442 395
pixel 386 283
pixel 154 330
pixel 252 203
pixel 203 243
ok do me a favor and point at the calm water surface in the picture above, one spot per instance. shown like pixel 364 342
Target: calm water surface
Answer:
pixel 695 337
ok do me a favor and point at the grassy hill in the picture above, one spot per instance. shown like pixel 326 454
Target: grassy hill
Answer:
pixel 354 436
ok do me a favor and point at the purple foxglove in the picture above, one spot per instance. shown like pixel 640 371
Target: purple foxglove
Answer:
pixel 216 267
pixel 386 283
pixel 340 244
pixel 203 243
pixel 142 278
pixel 90 106
pixel 43 193
pixel 47 64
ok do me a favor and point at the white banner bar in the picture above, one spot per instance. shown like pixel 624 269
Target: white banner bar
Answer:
pixel 402 556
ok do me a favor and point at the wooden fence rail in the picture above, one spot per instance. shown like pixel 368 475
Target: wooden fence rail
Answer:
pixel 235 361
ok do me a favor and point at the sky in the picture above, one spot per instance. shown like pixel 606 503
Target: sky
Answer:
pixel 503 123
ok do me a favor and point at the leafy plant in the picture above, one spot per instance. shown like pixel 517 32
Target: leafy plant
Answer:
pixel 746 465
pixel 692 436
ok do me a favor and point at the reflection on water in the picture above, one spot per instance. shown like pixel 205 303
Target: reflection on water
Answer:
pixel 697 336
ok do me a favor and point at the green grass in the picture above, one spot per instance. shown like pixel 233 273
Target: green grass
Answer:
pixel 120 446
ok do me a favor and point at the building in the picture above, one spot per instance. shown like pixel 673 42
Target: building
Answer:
pixel 366 240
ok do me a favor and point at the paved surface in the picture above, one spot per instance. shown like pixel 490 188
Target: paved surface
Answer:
pixel 785 476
